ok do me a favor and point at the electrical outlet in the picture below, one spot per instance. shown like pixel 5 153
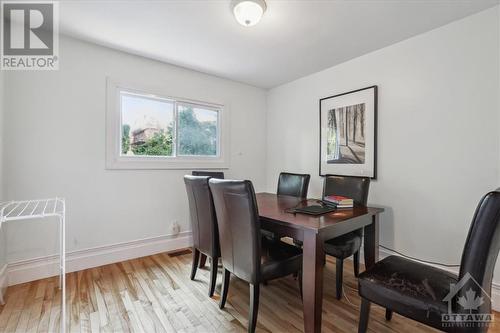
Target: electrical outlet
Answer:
pixel 176 228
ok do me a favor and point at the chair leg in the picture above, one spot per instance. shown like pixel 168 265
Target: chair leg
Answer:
pixel 388 314
pixel 356 264
pixel 225 288
pixel 214 263
pixel 339 270
pixel 300 283
pixel 203 260
pixel 196 256
pixel 254 307
pixel 364 315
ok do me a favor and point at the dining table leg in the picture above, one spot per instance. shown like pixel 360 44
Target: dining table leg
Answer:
pixel 371 234
pixel 312 281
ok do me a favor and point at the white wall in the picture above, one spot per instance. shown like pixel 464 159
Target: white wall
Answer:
pixel 2 75
pixel 438 148
pixel 55 141
pixel 3 257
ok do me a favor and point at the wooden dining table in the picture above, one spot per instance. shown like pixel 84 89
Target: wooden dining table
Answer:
pixel 276 216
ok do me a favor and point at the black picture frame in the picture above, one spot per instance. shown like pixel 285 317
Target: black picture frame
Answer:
pixel 375 130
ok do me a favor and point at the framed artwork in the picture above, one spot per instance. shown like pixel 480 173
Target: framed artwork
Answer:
pixel 348 133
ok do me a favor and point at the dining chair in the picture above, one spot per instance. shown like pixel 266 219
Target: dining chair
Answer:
pixel 204 226
pixel 245 253
pixel 293 184
pixel 428 294
pixel 349 244
pixel 212 174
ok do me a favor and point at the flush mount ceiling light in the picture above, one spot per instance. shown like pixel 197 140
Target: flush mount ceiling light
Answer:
pixel 248 12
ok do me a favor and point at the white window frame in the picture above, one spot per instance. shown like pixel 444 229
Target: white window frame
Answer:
pixel 114 158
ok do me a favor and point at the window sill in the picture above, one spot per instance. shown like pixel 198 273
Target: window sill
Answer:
pixel 162 163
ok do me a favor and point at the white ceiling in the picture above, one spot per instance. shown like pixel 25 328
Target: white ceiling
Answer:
pixel 293 39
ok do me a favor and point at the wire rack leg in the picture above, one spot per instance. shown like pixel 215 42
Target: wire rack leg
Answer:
pixel 60 253
pixel 62 269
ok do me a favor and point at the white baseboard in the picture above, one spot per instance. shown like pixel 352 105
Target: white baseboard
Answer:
pixel 43 267
pixel 495 287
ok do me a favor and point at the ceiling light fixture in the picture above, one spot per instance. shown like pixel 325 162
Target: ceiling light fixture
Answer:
pixel 248 12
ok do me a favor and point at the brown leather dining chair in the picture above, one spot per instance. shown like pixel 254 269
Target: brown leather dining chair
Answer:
pixel 211 174
pixel 293 184
pixel 428 294
pixel 245 253
pixel 349 244
pixel 204 226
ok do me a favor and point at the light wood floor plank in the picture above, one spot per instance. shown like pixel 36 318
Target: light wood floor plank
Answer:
pixel 55 311
pixel 155 294
pixel 22 325
pixel 131 312
pixel 43 325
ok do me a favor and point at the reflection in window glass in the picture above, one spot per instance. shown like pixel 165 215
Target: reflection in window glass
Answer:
pixel 197 131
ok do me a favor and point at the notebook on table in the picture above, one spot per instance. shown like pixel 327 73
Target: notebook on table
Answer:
pixel 314 210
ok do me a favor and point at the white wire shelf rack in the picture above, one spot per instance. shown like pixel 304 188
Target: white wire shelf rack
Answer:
pixel 31 209
pixel 40 209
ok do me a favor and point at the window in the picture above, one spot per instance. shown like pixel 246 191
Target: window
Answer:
pixel 153 131
pixel 147 125
pixel 153 126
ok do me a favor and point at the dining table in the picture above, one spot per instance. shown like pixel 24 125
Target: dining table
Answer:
pixel 277 215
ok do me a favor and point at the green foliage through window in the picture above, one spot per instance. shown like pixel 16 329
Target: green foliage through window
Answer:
pixel 196 137
pixel 160 144
pixel 125 138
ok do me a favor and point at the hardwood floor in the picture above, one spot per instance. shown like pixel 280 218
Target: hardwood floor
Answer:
pixel 155 294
